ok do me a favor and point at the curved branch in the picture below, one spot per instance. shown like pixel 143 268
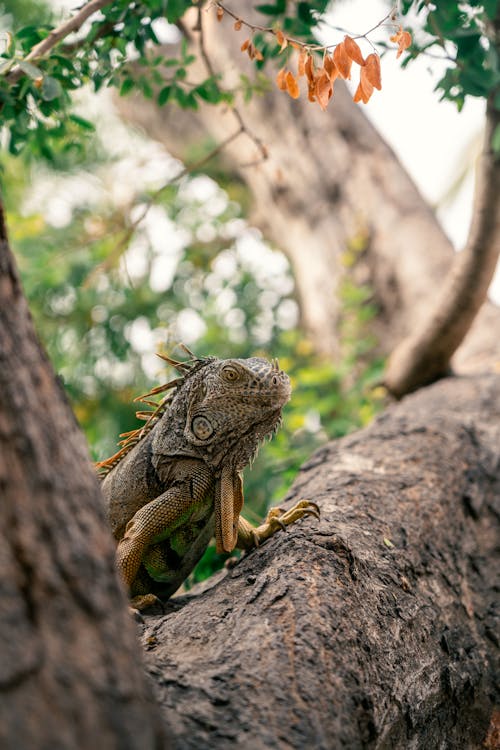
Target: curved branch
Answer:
pixel 425 355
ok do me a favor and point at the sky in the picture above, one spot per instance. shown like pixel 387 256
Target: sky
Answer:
pixel 432 139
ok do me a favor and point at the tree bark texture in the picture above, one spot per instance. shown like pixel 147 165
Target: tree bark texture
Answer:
pixel 373 628
pixel 71 676
pixel 330 184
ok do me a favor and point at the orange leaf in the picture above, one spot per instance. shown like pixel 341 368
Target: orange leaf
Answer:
pixel 280 79
pixel 372 70
pixel 237 24
pixel 311 95
pixel 330 67
pixel 292 85
pixel 245 45
pixel 402 39
pixel 220 13
pixel 258 54
pixel 301 67
pixel 309 68
pixel 342 61
pixel 323 89
pixel 366 84
pixel 353 50
pixel 281 39
pixel 404 42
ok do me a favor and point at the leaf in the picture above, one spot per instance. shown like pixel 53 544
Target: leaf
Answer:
pixel 164 95
pixel 51 89
pixel 281 39
pixel 127 86
pixel 366 85
pixel 245 45
pixel 82 123
pixel 402 39
pixel 495 141
pixel 323 89
pixel 281 79
pixel 330 67
pixel 342 61
pixel 292 85
pixel 220 13
pixel 309 68
pixel 301 66
pixel 31 70
pixel 372 70
pixel 353 50
pixel 237 24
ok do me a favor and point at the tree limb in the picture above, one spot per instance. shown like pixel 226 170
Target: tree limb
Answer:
pixel 374 628
pixel 424 356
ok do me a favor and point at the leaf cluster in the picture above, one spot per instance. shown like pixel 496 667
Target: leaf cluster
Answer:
pixel 467 36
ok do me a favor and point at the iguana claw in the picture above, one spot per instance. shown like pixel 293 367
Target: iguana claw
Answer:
pixel 143 601
pixel 278 518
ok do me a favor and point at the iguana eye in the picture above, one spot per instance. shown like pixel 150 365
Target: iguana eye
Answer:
pixel 230 373
pixel 201 428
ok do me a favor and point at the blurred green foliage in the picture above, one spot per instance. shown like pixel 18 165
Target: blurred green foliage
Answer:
pixel 102 313
pixel 467 36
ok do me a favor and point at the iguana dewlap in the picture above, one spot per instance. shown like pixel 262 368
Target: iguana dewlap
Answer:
pixel 180 484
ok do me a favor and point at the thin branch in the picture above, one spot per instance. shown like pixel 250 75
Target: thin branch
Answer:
pixel 59 33
pixel 235 111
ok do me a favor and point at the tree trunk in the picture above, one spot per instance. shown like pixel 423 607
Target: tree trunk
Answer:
pixel 373 628
pixel 331 184
pixel 71 676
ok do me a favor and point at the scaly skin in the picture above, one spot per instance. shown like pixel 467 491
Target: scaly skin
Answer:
pixel 181 483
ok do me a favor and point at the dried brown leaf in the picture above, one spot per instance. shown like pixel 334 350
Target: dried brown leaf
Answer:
pixel 245 45
pixel 292 85
pixel 342 61
pixel 281 39
pixel 281 79
pixel 330 67
pixel 372 70
pixel 323 89
pixel 220 13
pixel 353 50
pixel 309 68
pixel 301 66
pixel 238 24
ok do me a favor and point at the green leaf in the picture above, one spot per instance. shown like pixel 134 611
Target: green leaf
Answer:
pixel 31 70
pixel 164 95
pixel 495 141
pixel 82 122
pixel 51 89
pixel 127 86
pixel 175 9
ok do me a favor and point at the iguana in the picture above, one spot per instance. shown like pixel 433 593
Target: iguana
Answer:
pixel 177 481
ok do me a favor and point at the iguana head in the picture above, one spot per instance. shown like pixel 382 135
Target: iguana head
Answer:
pixel 224 409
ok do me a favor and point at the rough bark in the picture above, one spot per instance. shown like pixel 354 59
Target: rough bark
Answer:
pixel 70 670
pixel 426 353
pixel 330 183
pixel 374 628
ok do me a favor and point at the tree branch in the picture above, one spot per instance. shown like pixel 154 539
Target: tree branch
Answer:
pixel 425 355
pixel 59 33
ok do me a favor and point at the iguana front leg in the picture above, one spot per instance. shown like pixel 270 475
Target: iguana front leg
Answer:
pixel 156 521
pixel 250 536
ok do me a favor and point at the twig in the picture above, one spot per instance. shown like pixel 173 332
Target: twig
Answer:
pixel 59 33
